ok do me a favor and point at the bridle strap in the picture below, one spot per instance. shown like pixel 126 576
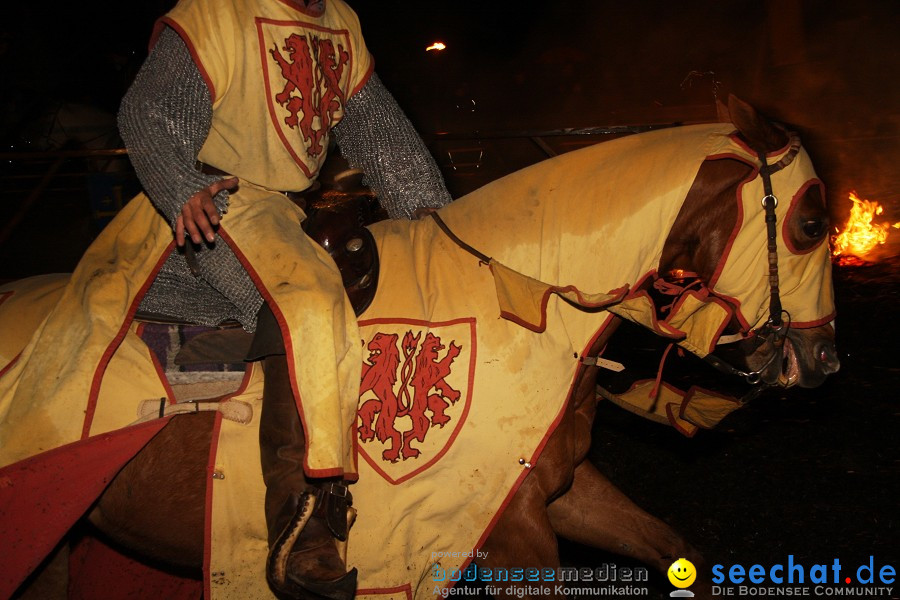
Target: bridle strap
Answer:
pixel 775 325
pixel 751 377
pixel 769 203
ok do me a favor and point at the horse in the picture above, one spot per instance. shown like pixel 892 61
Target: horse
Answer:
pixel 688 236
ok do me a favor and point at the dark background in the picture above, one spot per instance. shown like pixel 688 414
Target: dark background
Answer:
pixel 813 473
pixel 826 67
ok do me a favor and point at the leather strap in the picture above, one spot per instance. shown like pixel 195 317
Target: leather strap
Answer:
pixel 449 233
pixel 333 500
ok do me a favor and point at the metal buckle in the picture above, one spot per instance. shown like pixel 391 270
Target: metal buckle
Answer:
pixel 338 486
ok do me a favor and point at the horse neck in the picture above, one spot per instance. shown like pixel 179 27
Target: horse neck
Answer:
pixel 596 218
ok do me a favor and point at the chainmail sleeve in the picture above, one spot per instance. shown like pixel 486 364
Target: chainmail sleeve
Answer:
pixel 164 119
pixel 377 137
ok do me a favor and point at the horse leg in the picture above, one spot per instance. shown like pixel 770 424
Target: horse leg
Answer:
pixel 525 535
pixel 595 513
pixel 522 538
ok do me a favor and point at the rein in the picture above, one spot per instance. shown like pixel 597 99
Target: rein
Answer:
pixel 443 227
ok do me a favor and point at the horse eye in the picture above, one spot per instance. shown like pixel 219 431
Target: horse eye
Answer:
pixel 814 228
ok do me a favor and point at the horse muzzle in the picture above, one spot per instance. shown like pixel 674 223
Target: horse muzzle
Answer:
pixel 806 360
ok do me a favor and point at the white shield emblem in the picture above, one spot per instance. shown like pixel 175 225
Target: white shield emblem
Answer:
pixel 306 70
pixel 415 392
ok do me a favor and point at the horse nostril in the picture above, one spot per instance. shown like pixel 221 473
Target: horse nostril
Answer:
pixel 828 357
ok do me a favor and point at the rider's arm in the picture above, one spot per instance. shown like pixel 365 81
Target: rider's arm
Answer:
pixel 377 137
pixel 164 120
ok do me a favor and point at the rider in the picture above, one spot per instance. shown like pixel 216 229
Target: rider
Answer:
pixel 249 92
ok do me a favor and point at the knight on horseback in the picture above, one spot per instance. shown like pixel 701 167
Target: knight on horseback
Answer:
pixel 216 113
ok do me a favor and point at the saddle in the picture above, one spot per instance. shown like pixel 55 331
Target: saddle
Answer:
pixel 336 219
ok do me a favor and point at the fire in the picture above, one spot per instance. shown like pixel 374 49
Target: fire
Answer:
pixel 860 235
pixel 436 46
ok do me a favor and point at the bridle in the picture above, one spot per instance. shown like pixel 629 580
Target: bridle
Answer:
pixel 775 328
pixel 775 323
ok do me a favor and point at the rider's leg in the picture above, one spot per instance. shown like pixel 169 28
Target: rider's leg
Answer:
pixel 304 518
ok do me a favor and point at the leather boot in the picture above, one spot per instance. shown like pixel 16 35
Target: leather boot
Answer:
pixel 303 520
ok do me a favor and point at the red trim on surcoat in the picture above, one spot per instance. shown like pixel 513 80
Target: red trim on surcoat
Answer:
pixel 97 379
pixel 207 517
pixel 337 471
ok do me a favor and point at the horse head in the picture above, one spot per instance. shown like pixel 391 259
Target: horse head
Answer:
pixel 720 236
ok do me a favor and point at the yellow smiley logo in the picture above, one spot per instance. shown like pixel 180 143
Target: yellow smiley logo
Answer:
pixel 682 573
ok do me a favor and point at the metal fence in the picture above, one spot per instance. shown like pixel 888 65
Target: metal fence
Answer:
pixel 54 203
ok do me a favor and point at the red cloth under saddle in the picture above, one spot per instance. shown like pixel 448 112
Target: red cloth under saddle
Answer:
pixel 97 570
pixel 43 496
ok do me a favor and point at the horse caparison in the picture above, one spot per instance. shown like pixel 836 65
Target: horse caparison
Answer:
pixel 564 494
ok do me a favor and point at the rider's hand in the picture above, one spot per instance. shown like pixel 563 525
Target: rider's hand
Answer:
pixel 199 216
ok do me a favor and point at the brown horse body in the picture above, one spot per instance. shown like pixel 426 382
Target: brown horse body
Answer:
pixel 564 494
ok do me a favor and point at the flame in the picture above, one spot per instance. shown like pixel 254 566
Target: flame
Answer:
pixel 436 46
pixel 860 235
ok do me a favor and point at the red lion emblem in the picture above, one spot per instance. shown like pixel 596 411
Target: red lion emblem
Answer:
pixel 379 375
pixel 430 374
pixel 312 93
pixel 430 390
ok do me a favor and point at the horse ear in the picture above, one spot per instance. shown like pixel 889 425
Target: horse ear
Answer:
pixel 722 113
pixel 758 132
